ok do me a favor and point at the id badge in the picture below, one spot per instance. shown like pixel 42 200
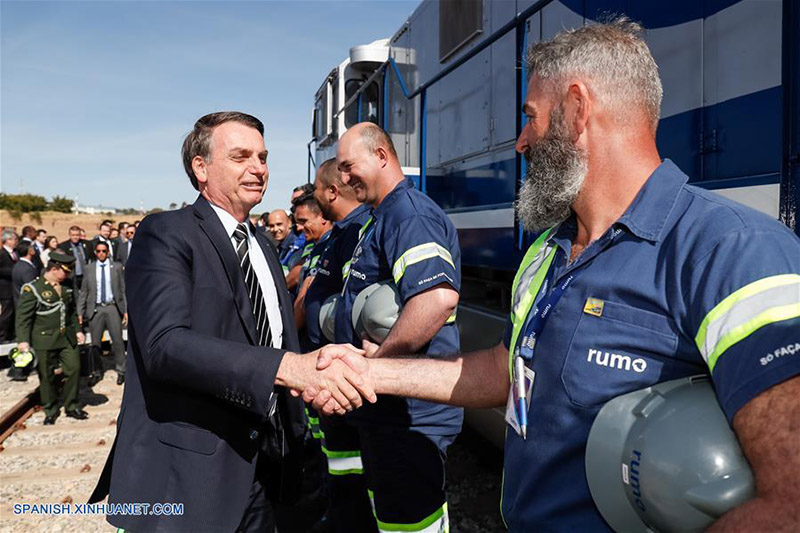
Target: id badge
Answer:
pixel 513 400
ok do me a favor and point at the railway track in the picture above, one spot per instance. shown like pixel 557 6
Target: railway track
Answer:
pixel 61 463
pixel 53 464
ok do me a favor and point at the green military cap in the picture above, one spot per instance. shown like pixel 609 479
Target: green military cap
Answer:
pixel 65 261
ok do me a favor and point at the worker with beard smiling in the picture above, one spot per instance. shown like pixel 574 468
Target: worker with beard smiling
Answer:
pixel 630 260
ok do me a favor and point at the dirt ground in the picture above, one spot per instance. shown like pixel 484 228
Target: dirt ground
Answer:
pixel 58 224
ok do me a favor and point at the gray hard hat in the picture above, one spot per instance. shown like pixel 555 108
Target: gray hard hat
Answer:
pixel 375 310
pixel 664 458
pixel 327 317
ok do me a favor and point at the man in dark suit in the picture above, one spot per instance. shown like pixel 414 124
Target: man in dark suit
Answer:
pixel 101 303
pixel 29 235
pixel 80 250
pixel 125 244
pixel 205 418
pixel 8 257
pixel 104 235
pixel 24 270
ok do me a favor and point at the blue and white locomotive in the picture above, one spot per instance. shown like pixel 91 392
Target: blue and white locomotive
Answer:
pixel 449 86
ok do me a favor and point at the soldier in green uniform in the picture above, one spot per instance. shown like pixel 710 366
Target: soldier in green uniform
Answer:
pixel 46 319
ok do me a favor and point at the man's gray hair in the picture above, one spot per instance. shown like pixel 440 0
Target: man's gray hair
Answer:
pixel 8 234
pixel 612 57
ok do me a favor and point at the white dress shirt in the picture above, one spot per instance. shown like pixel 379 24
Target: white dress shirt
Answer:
pixel 259 264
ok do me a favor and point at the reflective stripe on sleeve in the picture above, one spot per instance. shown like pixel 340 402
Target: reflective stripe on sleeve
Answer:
pixel 346 269
pixel 436 522
pixel 343 463
pixel 758 304
pixel 429 250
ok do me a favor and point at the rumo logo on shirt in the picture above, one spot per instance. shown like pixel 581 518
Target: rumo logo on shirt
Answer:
pixel 615 360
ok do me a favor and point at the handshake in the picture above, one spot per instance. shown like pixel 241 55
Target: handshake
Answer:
pixel 335 379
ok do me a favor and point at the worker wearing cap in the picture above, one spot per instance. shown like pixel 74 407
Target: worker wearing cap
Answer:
pixel 47 321
pixel 408 241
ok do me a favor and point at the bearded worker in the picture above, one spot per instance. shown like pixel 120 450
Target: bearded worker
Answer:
pixel 631 261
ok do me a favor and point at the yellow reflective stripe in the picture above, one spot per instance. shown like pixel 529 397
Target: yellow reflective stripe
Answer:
pixel 755 305
pixel 364 227
pixel 417 254
pixel 520 309
pixel 776 314
pixel 346 269
pixel 452 318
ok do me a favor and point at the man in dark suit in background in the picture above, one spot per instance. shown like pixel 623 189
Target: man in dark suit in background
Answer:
pixel 205 420
pixel 29 235
pixel 80 250
pixel 101 303
pixel 8 258
pixel 125 242
pixel 104 235
pixel 24 270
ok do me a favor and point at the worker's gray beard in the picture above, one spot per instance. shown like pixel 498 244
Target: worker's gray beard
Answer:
pixel 555 175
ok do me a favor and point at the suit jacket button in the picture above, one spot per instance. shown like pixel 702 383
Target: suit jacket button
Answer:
pixel 253 434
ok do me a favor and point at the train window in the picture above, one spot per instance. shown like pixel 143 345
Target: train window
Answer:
pixel 320 117
pixel 459 21
pixel 366 108
pixel 370 104
pixel 351 113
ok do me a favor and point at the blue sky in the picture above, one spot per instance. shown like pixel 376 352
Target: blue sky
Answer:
pixel 96 96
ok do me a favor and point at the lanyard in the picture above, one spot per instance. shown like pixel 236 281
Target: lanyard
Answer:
pixel 536 320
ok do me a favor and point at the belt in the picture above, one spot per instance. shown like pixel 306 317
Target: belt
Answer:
pixel 106 304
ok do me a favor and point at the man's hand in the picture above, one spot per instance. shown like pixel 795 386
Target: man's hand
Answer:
pixel 125 319
pixel 346 384
pixel 80 320
pixel 81 337
pixel 323 400
pixel 24 347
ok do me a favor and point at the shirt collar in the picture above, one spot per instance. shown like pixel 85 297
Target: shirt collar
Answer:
pixel 351 215
pixel 228 222
pixel 9 250
pixel 103 263
pixel 647 214
pixel 26 260
pixel 393 194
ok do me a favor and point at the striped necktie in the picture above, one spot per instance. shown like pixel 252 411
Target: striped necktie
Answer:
pixel 253 288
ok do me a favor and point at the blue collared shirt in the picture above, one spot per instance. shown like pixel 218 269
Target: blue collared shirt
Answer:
pixel 411 242
pixel 690 283
pixel 329 270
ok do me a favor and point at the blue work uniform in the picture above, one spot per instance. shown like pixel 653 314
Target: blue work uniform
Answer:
pixel 330 269
pixel 684 282
pixel 291 251
pixel 349 507
pixel 409 241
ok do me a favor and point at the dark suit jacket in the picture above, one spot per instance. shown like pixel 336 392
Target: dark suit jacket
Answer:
pixel 122 252
pixel 22 273
pixel 6 266
pixel 194 410
pixel 87 296
pixel 37 259
pixel 88 253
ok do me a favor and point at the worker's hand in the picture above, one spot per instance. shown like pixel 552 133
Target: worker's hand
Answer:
pixel 348 383
pixel 81 337
pixel 24 347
